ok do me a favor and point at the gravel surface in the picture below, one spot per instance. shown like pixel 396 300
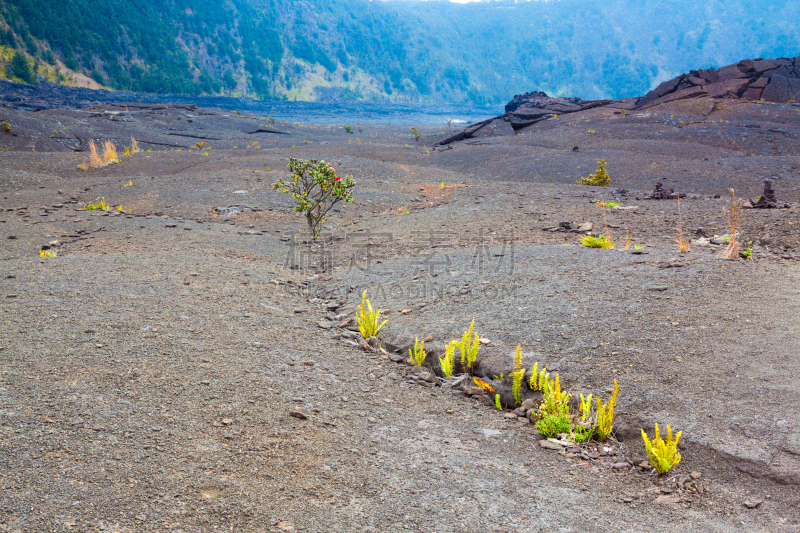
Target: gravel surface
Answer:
pixel 172 369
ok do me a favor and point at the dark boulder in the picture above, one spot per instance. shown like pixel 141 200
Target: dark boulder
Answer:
pixel 521 99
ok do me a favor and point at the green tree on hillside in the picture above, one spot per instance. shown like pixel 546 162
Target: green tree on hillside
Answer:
pixel 19 68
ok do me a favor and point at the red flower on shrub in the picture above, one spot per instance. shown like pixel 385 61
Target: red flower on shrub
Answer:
pixel 337 178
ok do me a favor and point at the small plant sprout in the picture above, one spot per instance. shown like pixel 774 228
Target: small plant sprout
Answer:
pixel 469 347
pixel 599 178
pixel 98 205
pixel 497 402
pixel 46 253
pixel 516 385
pixel 135 146
pixel 448 363
pixel 518 358
pixel 418 354
pixel 663 454
pixel 585 408
pixel 126 151
pixel 747 254
pixel 537 381
pixel 605 414
pixel 129 184
pixel 415 133
pixel 628 241
pixel 316 189
pixel 367 318
pixel 581 434
pixel 600 241
pixel 200 145
pixel 638 247
pixel 482 384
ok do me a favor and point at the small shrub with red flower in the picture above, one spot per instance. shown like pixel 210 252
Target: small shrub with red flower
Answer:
pixel 316 189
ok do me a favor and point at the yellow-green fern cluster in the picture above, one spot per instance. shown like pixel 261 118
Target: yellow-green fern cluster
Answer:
pixel 599 178
pixel 468 347
pixel 605 414
pixel 367 318
pixel 98 205
pixel 555 402
pixel 663 454
pixel 517 375
pixel 448 363
pixel 418 354
pixel 538 379
pixel 585 409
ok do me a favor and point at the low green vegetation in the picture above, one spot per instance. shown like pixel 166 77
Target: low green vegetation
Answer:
pixel 591 241
pixel 553 425
pixel 97 205
pixel 599 179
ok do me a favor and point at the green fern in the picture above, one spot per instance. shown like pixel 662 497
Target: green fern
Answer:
pixel 448 363
pixel 367 318
pixel 418 354
pixel 468 347
pixel 586 408
pixel 517 376
pixel 599 178
pixel 497 402
pixel 537 382
pixel 663 454
pixel 605 414
pixel 554 402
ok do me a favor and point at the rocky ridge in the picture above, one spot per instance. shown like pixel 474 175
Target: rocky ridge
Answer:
pixel 771 80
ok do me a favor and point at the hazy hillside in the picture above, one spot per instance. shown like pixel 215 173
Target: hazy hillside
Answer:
pixel 432 51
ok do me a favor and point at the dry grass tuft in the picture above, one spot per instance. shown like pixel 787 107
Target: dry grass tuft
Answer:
pixel 134 146
pixel 683 242
pixel 734 216
pixel 94 158
pixel 109 153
